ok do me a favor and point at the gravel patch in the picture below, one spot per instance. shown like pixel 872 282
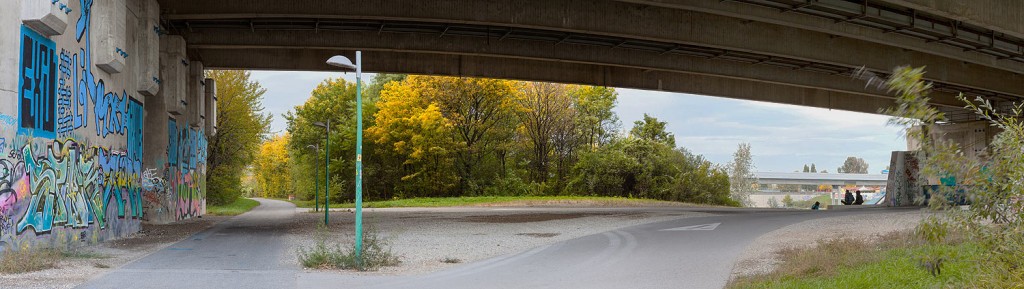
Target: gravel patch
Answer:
pixel 428 240
pixel 95 260
pixel 762 255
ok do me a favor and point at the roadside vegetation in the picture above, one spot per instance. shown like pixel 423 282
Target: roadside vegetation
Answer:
pixel 505 201
pixel 444 137
pixel 891 261
pixel 239 206
pixel 241 126
pixel 327 253
pixel 965 246
pixel 31 260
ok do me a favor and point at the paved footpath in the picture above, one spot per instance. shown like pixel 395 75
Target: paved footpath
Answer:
pixel 242 252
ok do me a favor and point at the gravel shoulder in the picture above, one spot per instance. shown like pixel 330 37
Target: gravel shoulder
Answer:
pixel 761 256
pixel 424 237
pixel 95 260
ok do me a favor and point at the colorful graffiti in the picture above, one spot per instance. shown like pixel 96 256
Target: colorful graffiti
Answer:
pixel 187 168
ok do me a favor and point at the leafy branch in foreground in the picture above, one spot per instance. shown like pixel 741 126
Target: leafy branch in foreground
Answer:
pixel 990 183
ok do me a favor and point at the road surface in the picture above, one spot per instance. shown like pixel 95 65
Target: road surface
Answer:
pixel 245 252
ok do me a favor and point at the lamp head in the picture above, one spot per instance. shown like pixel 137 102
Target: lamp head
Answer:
pixel 341 61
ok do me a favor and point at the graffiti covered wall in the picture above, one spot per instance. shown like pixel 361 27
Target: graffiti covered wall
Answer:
pixel 72 125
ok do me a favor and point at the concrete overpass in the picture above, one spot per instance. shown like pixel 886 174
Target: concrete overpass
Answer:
pixel 815 179
pixel 786 51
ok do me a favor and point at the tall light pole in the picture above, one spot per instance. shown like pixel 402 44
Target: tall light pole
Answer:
pixel 316 162
pixel 345 63
pixel 327 170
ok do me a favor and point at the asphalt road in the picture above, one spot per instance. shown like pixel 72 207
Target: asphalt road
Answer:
pixel 244 252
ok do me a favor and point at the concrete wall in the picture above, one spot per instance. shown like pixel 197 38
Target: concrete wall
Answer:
pixel 84 133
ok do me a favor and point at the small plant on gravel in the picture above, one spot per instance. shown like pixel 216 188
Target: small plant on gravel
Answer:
pixel 451 260
pixel 21 261
pixel 327 254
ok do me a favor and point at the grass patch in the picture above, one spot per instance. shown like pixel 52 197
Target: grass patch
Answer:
pixel 82 254
pixel 239 206
pixel 21 261
pixel 451 260
pixel 505 201
pixel 330 255
pixel 893 262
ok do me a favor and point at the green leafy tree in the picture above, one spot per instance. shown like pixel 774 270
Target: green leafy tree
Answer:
pixel 853 165
pixel 787 201
pixel 813 169
pixel 241 125
pixel 807 169
pixel 651 129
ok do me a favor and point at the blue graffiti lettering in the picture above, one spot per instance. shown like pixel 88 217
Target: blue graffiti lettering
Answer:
pixel 37 80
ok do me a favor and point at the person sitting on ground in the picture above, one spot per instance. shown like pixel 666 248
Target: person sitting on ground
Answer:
pixel 816 206
pixel 848 198
pixel 859 200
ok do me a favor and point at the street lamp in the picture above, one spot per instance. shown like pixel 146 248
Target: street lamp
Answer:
pixel 344 63
pixel 316 156
pixel 327 169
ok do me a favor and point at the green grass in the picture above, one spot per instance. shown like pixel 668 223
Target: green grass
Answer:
pixel 327 253
pixel 239 206
pixel 855 264
pixel 825 200
pixel 503 201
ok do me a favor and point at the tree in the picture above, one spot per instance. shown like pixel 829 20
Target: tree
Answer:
pixel 272 168
pixel 651 129
pixel 807 169
pixel 241 125
pixel 595 119
pixel 813 169
pixel 853 165
pixel 411 128
pixel 741 175
pixel 545 110
pixel 787 201
pixel 773 203
pixel 478 110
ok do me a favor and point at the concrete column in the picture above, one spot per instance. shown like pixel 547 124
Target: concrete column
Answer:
pixel 109 35
pixel 196 99
pixel 210 117
pixel 173 73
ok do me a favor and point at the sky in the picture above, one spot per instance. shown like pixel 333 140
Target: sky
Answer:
pixel 782 137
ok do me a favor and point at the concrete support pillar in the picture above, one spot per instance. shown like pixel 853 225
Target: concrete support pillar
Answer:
pixel 109 35
pixel 903 187
pixel 173 73
pixel 158 195
pixel 196 99
pixel 43 17
pixel 145 58
pixel 210 117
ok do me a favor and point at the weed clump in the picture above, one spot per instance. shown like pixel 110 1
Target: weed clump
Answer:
pixel 325 254
pixel 21 261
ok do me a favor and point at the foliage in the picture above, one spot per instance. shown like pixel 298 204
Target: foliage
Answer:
pixel 241 125
pixel 853 263
pixel 271 161
pixel 21 261
pixel 991 183
pixel 452 136
pixel 326 254
pixel 523 201
pixel 741 175
pixel 651 129
pixel 787 201
pixel 853 165
pixel 238 207
pixel 648 169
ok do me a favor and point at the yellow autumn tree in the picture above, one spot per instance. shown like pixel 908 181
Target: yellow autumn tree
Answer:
pixel 272 168
pixel 411 127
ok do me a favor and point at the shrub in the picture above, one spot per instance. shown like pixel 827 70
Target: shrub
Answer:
pixel 326 254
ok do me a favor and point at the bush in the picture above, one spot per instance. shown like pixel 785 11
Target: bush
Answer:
pixel 223 186
pixel 330 255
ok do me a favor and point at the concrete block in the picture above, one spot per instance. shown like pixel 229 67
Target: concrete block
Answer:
pixel 173 73
pixel 210 116
pixel 147 48
pixel 10 48
pixel 108 35
pixel 45 16
pixel 196 95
